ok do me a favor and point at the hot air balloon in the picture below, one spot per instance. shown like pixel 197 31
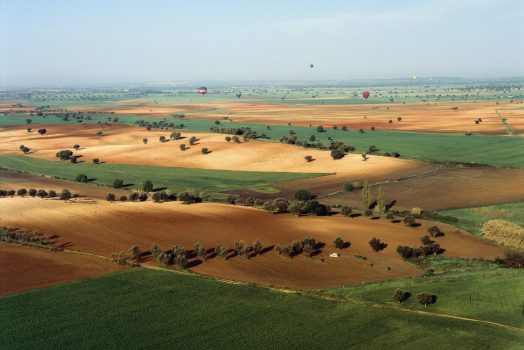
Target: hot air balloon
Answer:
pixel 202 90
pixel 311 65
pixel 365 94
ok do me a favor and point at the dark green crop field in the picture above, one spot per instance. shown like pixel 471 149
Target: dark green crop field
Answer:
pixel 141 308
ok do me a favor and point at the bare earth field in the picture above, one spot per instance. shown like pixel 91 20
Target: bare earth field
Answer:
pixel 419 116
pixel 105 228
pixel 123 145
pixel 24 268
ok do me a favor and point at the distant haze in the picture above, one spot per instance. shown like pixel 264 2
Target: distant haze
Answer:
pixel 89 42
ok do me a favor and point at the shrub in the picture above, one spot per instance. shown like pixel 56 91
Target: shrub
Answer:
pixel 123 199
pixel 193 140
pixel 118 183
pixel 346 210
pixel 41 193
pixel 426 298
pixel 21 192
pixel 147 186
pixel 434 231
pixel 308 158
pixel 401 295
pixel 162 138
pixel 228 138
pixel 52 194
pixel 182 146
pixel 337 154
pixel 160 196
pixel 110 197
pixel 204 150
pixel 65 195
pixel 504 233
pixel 142 197
pixel 11 193
pixel 377 245
pixel 348 187
pixel 32 192
pixel 81 178
pixel 303 195
pixel 134 196
pixel 231 199
pixel 409 220
pixel 339 243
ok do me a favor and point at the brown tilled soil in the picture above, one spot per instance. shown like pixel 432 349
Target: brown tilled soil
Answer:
pixel 450 188
pixel 25 268
pixel 104 228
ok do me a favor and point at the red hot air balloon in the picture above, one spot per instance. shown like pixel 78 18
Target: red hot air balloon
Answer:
pixel 202 90
pixel 365 94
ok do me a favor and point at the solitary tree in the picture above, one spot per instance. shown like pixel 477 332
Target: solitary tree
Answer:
pixel 308 158
pixel 426 298
pixel 400 295
pixel 376 244
pixel 182 146
pixel 162 138
pixel 192 140
pixel 204 150
pixel 81 178
pixel 147 186
pixel 339 243
pixel 118 183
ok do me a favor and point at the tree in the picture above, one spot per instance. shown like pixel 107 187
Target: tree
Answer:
pixel 200 251
pixel 28 121
pixel 238 246
pixel 81 178
pixel 111 197
pixel 337 154
pixel 142 197
pixel 182 146
pixel 409 220
pixel 308 158
pixel 99 133
pixel 377 245
pixel 29 129
pixel 236 139
pixel 65 195
pixel 134 196
pixel 348 187
pixel 96 161
pixel 204 150
pixel 11 193
pixel 175 135
pixel 26 149
pixel 339 243
pixel 228 138
pixel 74 160
pixel 123 198
pixel 162 138
pixel 52 194
pixel 160 196
pixel 118 183
pixel 346 210
pixel 32 192
pixel 257 247
pixel 42 131
pixel 144 140
pixel 221 251
pixel 64 154
pixel 147 186
pixel 76 146
pixel 366 195
pixel 193 140
pixel 401 295
pixel 426 240
pixel 312 138
pixel 303 195
pixel 434 231
pixel 344 128
pixel 320 128
pixel 426 298
pixel 21 192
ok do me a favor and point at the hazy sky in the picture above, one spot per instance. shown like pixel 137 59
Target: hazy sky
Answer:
pixel 91 41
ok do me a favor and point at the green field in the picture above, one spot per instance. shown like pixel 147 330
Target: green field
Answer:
pixel 141 308
pixel 211 182
pixel 470 289
pixel 471 219
pixel 499 151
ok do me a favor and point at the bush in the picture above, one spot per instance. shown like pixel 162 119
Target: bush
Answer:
pixel 42 131
pixel 434 231
pixel 65 195
pixel 409 220
pixel 426 298
pixel 11 193
pixel 231 199
pixel 134 196
pixel 147 186
pixel 308 158
pixel 111 197
pixel 64 154
pixel 504 233
pixel 303 195
pixel 76 146
pixel 123 199
pixel 52 194
pixel 41 193
pixel 26 149
pixel 320 128
pixel 348 187
pixel 258 203
pixel 401 295
pixel 21 192
pixel 118 183
pixel 228 139
pixel 81 178
pixel 32 192
pixel 204 150
pixel 188 197
pixel 337 154
pixel 339 243
pixel 346 210
pixel 193 140
pixel 142 197
pixel 160 196
pixel 182 146
pixel 377 245
pixel 162 138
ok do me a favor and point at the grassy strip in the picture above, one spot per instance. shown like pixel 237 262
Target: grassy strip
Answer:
pixel 211 182
pixel 167 310
pixel 463 288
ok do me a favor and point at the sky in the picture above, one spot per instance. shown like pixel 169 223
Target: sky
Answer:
pixel 114 41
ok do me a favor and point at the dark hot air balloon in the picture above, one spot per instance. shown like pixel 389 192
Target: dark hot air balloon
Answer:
pixel 202 90
pixel 365 94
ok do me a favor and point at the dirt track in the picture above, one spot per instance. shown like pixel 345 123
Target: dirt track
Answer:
pixel 105 228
